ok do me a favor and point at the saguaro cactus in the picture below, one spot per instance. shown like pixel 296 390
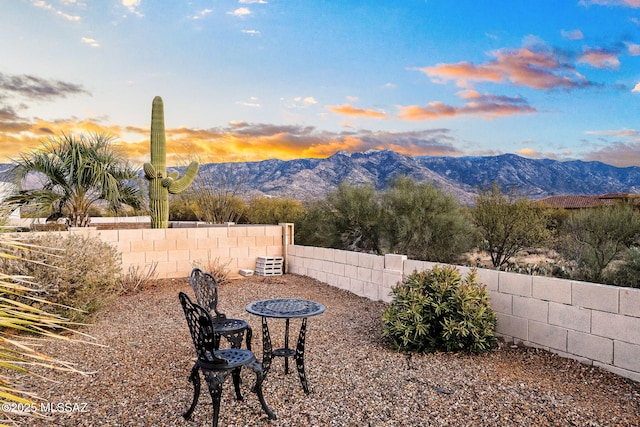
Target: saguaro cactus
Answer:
pixel 161 184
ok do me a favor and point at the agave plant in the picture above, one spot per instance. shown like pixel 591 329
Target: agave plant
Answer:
pixel 21 320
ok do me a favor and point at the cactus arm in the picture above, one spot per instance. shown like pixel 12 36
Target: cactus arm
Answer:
pixel 179 185
pixel 173 174
pixel 149 171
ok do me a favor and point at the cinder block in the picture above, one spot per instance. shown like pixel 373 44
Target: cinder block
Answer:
pixel 570 317
pixel 164 245
pixel 364 274
pixel 366 260
pixel 208 232
pixel 512 327
pixel 328 254
pixel 592 295
pixel 531 308
pixel 630 302
pixel 590 346
pixel 371 291
pixel 352 258
pixel 391 278
pixel 552 289
pixel 153 256
pixel 141 245
pixel 548 335
pixel 338 268
pixel 516 284
pixel 412 265
pixel 340 256
pixel 376 277
pixel 351 271
pixel 344 283
pixel 394 262
pixel 616 326
pixel 357 287
pixel 489 278
pixel 501 303
pixel 627 356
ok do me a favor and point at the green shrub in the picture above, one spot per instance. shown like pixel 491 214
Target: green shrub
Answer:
pixel 439 310
pixel 627 272
pixel 82 273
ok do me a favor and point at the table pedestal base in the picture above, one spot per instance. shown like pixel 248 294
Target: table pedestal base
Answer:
pixel 268 353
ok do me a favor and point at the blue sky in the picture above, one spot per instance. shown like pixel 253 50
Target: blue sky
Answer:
pixel 246 80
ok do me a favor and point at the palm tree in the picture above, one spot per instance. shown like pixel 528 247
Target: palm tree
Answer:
pixel 75 173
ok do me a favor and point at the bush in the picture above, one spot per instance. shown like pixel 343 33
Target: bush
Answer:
pixel 439 310
pixel 627 272
pixel 82 273
pixel 425 223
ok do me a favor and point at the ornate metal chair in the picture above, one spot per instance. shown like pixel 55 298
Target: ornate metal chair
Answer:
pixel 205 289
pixel 216 365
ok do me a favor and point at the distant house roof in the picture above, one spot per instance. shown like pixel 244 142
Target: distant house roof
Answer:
pixel 581 202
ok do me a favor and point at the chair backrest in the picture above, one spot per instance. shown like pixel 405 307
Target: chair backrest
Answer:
pixel 205 288
pixel 201 329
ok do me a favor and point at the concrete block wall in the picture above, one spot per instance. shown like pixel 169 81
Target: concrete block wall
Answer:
pixel 176 249
pixel 595 324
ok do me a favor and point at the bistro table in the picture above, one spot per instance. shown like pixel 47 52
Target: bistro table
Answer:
pixel 285 308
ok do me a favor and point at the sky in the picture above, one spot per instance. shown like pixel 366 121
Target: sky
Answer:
pixel 249 80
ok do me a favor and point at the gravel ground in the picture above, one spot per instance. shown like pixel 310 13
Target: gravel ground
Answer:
pixel 140 374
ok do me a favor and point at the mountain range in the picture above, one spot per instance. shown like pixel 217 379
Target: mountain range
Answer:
pixel 461 177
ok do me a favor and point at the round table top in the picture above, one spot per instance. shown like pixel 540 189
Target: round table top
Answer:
pixel 285 308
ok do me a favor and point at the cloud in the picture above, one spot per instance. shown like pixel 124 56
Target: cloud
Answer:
pixel 251 32
pixel 600 58
pixel 620 147
pixel 252 1
pixel 37 88
pixel 636 88
pixel 634 4
pixel 252 103
pixel 241 11
pixel 485 105
pixel 534 68
pixel 306 101
pixel 634 49
pixel 90 42
pixel 132 6
pixel 348 110
pixel 572 34
pixel 201 14
pixel 47 6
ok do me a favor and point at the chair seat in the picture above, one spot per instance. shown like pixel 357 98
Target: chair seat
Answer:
pixel 235 357
pixel 224 325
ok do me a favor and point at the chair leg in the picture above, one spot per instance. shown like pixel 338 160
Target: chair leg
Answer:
pixel 194 378
pixel 236 383
pixel 215 380
pixel 258 390
pixel 249 335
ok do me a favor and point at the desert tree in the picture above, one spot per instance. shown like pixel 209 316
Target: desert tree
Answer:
pixel 274 210
pixel 217 197
pixel 356 217
pixel 593 238
pixel 508 223
pixel 74 173
pixel 425 223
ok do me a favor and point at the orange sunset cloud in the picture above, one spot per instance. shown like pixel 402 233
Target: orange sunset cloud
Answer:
pixel 348 110
pixel 522 67
pixel 485 105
